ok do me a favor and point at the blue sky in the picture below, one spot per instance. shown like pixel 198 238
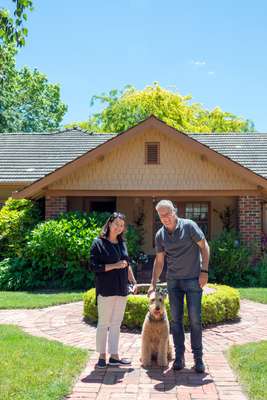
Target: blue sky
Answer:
pixel 215 51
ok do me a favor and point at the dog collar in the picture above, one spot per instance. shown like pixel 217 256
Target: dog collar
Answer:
pixel 151 319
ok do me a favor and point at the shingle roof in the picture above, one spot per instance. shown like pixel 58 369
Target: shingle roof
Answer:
pixel 247 149
pixel 28 157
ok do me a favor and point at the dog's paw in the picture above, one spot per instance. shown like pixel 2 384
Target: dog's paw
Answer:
pixel 163 365
pixel 146 366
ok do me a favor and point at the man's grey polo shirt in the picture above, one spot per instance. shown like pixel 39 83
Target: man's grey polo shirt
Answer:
pixel 181 249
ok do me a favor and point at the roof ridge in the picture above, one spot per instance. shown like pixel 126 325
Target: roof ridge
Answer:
pixel 226 133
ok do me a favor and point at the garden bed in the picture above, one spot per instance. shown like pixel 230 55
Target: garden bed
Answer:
pixel 220 303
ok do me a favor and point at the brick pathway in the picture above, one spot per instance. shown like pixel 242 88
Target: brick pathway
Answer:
pixel 64 323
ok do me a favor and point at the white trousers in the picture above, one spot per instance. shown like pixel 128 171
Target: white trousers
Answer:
pixel 110 315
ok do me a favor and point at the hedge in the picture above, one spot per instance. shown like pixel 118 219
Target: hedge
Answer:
pixel 222 304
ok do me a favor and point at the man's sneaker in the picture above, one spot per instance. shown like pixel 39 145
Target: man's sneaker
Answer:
pixel 101 363
pixel 122 361
pixel 178 364
pixel 199 366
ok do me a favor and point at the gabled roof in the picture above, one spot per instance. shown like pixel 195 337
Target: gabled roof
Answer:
pixel 25 157
pixel 247 149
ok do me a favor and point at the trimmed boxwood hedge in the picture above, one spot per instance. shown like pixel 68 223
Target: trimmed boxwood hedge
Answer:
pixel 221 303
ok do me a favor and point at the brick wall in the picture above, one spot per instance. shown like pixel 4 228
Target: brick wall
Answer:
pixel 54 206
pixel 250 220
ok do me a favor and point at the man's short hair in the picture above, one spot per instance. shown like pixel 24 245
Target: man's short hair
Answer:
pixel 166 204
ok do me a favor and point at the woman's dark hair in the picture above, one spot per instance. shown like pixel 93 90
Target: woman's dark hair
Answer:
pixel 105 230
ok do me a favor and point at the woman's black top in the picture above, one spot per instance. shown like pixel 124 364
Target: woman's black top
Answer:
pixel 114 282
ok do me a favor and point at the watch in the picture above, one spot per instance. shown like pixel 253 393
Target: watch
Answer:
pixel 204 270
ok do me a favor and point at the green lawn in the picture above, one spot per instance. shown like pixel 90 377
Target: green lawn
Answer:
pixel 255 294
pixel 35 368
pixel 250 363
pixel 37 299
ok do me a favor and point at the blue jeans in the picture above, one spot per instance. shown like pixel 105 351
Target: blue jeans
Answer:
pixel 177 289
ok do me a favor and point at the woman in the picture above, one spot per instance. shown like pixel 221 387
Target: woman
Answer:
pixel 110 261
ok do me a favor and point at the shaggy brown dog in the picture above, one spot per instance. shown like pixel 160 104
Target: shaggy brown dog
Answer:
pixel 155 333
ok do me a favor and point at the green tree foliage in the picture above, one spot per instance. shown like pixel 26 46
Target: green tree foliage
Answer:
pixel 12 29
pixel 28 102
pixel 124 109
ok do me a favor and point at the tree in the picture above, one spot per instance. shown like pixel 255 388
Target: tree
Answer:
pixel 11 28
pixel 128 107
pixel 28 102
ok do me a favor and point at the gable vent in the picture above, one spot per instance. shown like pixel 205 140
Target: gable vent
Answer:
pixel 152 153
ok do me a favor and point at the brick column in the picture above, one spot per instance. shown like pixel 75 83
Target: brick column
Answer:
pixel 55 206
pixel 250 221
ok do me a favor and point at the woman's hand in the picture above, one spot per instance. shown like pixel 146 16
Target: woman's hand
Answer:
pixel 121 264
pixel 118 265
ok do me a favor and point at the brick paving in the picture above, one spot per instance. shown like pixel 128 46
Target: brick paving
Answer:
pixel 65 323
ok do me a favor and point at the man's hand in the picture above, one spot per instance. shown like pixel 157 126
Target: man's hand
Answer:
pixel 135 288
pixel 205 255
pixel 157 269
pixel 203 279
pixel 151 289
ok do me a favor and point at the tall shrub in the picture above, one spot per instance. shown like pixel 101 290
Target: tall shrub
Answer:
pixel 59 250
pixel 17 218
pixel 230 261
pixel 56 254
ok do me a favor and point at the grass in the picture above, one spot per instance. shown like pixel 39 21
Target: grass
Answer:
pixel 250 363
pixel 35 368
pixel 255 294
pixel 9 300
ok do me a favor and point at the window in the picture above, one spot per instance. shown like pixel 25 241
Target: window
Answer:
pixel 152 153
pixel 198 212
pixel 90 204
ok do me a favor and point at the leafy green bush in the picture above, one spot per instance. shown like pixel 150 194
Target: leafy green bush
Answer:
pixel 260 279
pixel 56 254
pixel 17 273
pixel 220 305
pixel 230 261
pixel 133 241
pixel 17 218
pixel 59 250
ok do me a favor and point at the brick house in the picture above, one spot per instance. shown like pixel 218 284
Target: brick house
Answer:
pixel 204 174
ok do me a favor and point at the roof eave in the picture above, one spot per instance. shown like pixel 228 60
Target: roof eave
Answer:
pixel 152 122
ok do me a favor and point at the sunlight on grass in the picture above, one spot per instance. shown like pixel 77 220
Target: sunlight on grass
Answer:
pixel 255 294
pixel 36 368
pixel 250 363
pixel 39 299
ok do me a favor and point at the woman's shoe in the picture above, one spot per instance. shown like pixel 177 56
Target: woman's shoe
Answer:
pixel 101 363
pixel 122 361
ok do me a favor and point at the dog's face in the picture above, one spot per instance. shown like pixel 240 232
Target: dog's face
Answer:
pixel 156 304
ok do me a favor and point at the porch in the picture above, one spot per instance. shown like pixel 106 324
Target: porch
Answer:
pixel 211 211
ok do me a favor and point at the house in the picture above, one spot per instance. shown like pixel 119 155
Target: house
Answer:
pixel 204 174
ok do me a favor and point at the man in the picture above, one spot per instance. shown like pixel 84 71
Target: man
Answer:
pixel 187 256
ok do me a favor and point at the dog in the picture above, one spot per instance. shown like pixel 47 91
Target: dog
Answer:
pixel 155 332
